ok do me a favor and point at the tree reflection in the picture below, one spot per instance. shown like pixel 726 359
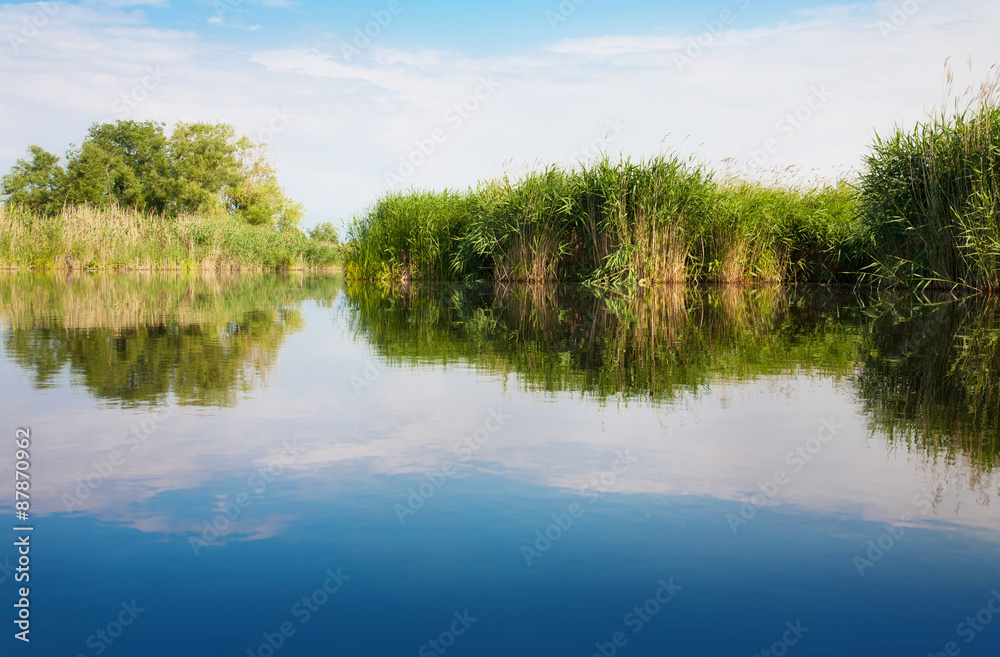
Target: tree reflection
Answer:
pixel 134 339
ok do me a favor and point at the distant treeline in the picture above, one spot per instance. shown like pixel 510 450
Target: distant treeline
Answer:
pixel 132 196
pixel 199 168
pixel 925 212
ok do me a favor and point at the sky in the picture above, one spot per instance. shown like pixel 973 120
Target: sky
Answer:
pixel 357 99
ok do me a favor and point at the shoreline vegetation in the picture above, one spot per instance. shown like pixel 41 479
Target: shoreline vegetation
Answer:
pixel 924 213
pixel 132 197
pixel 88 238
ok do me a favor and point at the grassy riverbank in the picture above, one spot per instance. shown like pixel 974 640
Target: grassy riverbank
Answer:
pixel 117 238
pixel 661 221
pixel 925 212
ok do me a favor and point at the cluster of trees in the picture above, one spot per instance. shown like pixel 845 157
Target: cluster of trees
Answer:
pixel 325 232
pixel 199 168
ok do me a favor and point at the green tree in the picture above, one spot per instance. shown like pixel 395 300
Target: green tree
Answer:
pixel 35 183
pixel 324 232
pixel 200 168
pixel 123 163
pixel 205 165
pixel 257 197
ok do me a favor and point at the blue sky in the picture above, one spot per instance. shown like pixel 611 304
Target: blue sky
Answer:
pixel 446 93
pixel 474 28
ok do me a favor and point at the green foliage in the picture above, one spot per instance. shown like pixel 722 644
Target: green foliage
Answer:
pixel 756 232
pixel 116 238
pixel 925 213
pixel 257 198
pixel 609 225
pixel 205 165
pixel 409 235
pixel 639 219
pixel 123 163
pixel 35 183
pixel 930 199
pixel 324 232
pixel 200 168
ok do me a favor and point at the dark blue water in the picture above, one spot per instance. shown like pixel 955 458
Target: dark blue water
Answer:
pixel 356 519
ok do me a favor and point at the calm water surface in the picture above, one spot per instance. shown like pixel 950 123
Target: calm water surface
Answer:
pixel 285 465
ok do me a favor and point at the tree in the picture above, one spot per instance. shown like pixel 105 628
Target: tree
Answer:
pixel 35 183
pixel 205 164
pixel 324 232
pixel 257 198
pixel 200 168
pixel 123 163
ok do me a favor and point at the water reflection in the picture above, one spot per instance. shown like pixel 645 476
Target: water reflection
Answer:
pixel 132 339
pixel 922 376
pixel 928 374
pixel 212 446
pixel 652 346
pixel 930 377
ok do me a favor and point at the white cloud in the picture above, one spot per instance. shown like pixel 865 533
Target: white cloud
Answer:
pixel 355 119
pixel 609 46
pixel 694 446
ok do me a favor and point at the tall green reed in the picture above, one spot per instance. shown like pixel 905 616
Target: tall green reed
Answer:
pixel 930 197
pixel 609 224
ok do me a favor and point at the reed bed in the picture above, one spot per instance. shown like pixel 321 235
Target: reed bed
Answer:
pixel 930 197
pixel 120 238
pixel 924 213
pixel 607 224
